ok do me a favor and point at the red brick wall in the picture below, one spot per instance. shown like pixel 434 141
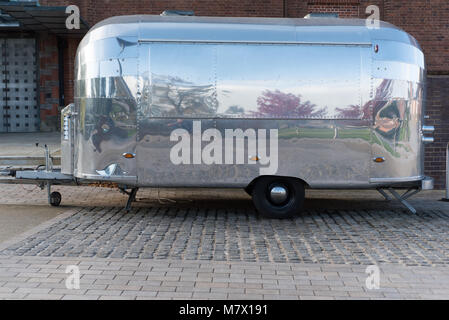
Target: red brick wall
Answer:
pixel 428 22
pixel 48 81
pixel 94 11
pixel 69 69
pixel 438 111
pixel 344 8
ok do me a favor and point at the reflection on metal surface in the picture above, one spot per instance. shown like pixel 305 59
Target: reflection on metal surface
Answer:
pixel 254 81
pixel 67 139
pixel 278 194
pixel 335 102
pixel 300 144
pixel 427 139
pixel 427 183
pixel 111 170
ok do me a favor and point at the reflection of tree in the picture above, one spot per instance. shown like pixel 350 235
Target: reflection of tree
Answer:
pixel 391 125
pixel 365 112
pixel 388 113
pixel 235 110
pixel 387 120
pixel 114 117
pixel 278 104
pixel 382 94
pixel 355 112
pixel 173 96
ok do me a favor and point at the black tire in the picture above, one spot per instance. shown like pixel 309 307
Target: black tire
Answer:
pixel 55 199
pixel 288 208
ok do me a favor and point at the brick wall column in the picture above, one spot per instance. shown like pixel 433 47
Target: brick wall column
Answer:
pixel 69 69
pixel 48 81
pixel 438 112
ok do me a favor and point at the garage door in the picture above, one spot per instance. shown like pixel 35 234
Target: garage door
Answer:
pixel 19 110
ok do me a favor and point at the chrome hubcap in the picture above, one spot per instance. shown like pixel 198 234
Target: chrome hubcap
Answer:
pixel 278 194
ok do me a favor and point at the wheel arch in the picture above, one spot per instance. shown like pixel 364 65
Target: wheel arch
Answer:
pixel 249 188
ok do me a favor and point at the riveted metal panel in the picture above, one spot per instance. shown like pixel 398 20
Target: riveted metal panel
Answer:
pixel 3 89
pixel 19 106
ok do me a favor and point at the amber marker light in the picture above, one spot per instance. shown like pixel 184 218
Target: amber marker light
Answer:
pixel 129 155
pixel 379 159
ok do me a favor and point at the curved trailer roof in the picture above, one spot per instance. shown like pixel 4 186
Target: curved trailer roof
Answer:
pixel 229 29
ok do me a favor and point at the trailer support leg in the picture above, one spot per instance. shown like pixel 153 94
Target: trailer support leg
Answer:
pixel 49 192
pixel 406 195
pixel 131 198
pixel 401 198
pixel 386 196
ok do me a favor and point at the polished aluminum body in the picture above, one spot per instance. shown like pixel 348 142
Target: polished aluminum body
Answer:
pixel 340 94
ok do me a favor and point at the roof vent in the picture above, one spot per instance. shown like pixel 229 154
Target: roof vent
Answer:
pixel 177 13
pixel 321 15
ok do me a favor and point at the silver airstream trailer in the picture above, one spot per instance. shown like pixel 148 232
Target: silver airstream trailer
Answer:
pixel 270 105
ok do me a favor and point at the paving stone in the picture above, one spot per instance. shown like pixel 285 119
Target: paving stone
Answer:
pixel 123 287
pixel 13 296
pixel 184 295
pixel 139 293
pixel 6 290
pixel 20 284
pixel 117 297
pixel 157 289
pixel 65 291
pixel 236 296
pixel 43 296
pixel 279 297
pixel 33 290
pixel 209 295
pixel 80 297
pixel 104 292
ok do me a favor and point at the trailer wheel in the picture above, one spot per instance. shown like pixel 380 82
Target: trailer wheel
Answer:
pixel 276 197
pixel 55 199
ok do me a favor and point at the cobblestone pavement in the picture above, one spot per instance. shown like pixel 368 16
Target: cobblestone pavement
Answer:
pixel 199 244
pixel 233 231
pixel 327 236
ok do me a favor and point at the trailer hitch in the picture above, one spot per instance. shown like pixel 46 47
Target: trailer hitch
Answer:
pixel 54 198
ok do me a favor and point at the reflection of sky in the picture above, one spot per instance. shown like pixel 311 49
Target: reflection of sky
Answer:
pixel 324 75
pixel 191 63
pixel 399 89
pixel 288 63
